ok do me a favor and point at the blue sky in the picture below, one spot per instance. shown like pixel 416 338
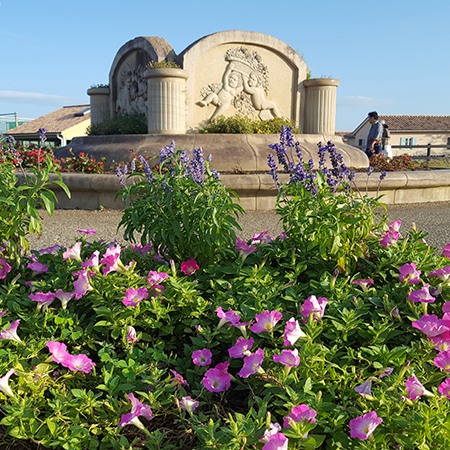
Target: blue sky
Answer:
pixel 389 56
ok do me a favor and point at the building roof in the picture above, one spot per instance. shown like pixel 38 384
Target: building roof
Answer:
pixel 411 123
pixel 55 122
pixel 417 123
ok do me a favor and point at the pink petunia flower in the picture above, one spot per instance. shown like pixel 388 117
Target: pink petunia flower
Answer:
pixel 288 358
pixel 363 426
pixel 82 285
pixel 111 259
pixel 131 335
pixel 81 362
pixel 37 267
pixel 242 326
pixel 5 268
pixel 188 404
pixel 446 307
pixel 217 379
pixel 298 414
pixel 441 342
pixel 138 409
pixel 43 299
pixel 395 226
pixel 52 249
pixel 4 383
pixel 274 428
pixel 266 321
pixel 244 248
pixel 443 360
pixel 58 351
pixel 314 306
pixel 87 231
pixel 134 296
pixel 11 333
pixel 386 372
pixel 444 388
pixel 277 441
pixel 363 283
pixel 252 363
pixel 229 316
pixel 154 278
pixel 261 238
pixel 292 332
pixel 446 251
pixel 3 312
pixel 73 252
pixel 365 389
pixel 64 297
pixel 93 261
pixel 241 348
pixel 431 325
pixel 422 295
pixel 414 388
pixel 409 274
pixel 189 267
pixel 442 274
pixel 202 357
pixel 390 238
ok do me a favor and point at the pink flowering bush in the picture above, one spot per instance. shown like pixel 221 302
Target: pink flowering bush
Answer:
pixel 317 340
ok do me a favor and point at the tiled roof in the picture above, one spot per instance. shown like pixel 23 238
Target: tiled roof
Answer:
pixel 417 123
pixel 55 122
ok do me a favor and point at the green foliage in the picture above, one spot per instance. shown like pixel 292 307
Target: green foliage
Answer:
pixel 246 125
pixel 162 65
pixel 398 163
pixel 183 209
pixel 82 163
pixel 362 332
pixel 21 197
pixel 135 123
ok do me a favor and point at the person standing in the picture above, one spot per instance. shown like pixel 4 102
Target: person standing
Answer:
pixel 375 133
pixel 385 147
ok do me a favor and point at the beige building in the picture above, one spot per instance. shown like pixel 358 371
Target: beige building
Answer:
pixel 62 126
pixel 408 132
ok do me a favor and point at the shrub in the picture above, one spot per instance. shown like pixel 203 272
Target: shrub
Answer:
pixel 183 209
pixel 276 345
pixel 162 65
pixel 135 123
pixel 246 125
pixel 82 163
pixel 403 162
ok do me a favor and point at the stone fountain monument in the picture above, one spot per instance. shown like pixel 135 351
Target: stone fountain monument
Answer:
pixel 227 73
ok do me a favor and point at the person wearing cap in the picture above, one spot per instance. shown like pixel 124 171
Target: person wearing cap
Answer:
pixel 375 133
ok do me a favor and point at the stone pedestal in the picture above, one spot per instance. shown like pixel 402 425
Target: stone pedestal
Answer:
pixel 166 100
pixel 100 110
pixel 320 105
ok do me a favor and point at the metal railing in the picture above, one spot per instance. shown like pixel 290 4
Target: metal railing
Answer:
pixel 428 148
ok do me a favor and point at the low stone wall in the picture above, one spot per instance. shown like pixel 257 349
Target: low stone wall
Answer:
pixel 257 191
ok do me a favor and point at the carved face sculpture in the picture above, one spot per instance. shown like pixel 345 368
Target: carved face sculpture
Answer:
pixel 253 80
pixel 233 80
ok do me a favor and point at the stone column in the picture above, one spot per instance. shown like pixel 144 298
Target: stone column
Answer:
pixel 320 105
pixel 166 100
pixel 99 104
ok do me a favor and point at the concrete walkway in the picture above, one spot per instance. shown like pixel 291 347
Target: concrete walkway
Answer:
pixel 62 227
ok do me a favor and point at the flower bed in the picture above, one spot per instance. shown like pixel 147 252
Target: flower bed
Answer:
pixel 333 335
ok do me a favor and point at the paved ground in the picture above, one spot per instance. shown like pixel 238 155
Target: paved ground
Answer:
pixel 62 227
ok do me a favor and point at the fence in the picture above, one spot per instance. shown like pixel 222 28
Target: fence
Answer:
pixel 422 155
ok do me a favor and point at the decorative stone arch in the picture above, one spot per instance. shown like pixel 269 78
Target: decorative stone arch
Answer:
pixel 205 62
pixel 129 66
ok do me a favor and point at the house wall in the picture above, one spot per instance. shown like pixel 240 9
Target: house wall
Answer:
pixel 77 130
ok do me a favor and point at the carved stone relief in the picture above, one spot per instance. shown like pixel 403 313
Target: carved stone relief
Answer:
pixel 245 85
pixel 132 91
